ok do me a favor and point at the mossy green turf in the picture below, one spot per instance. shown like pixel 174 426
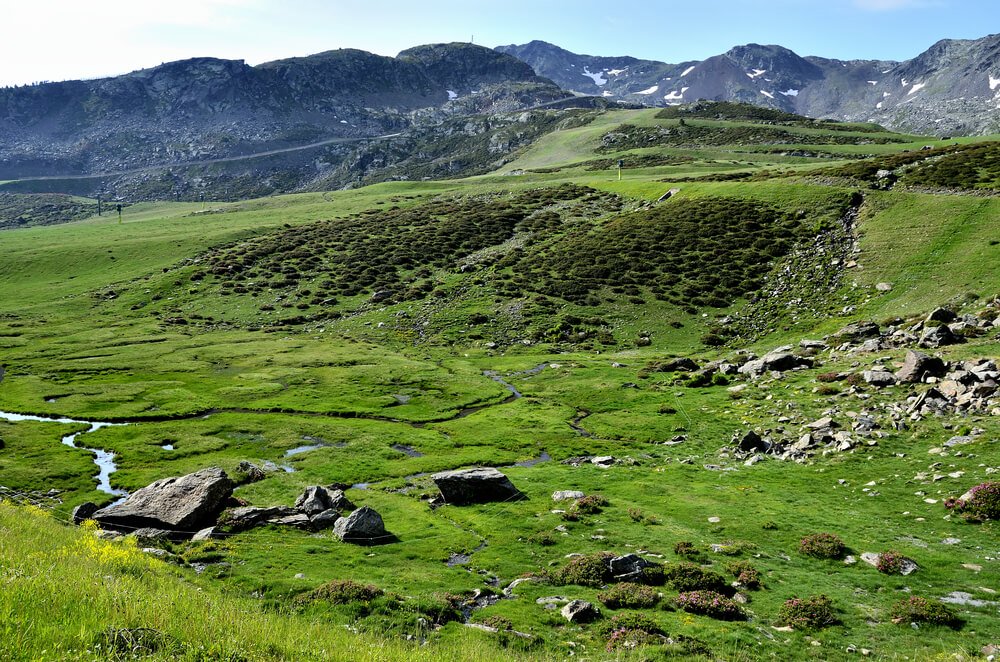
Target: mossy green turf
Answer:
pixel 72 345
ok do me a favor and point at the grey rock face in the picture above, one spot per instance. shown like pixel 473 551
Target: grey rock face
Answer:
pixel 938 336
pixel 84 512
pixel 628 568
pixel 917 366
pixel 480 485
pixel 363 526
pixel 186 503
pixel 314 500
pixel 580 611
pixel 566 495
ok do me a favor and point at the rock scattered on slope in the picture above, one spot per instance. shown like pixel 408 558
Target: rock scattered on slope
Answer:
pixel 477 485
pixel 183 504
pixel 580 611
pixel 364 526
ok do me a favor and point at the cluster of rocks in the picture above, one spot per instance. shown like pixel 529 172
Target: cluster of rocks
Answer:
pixel 939 328
pixel 822 436
pixel 195 506
pixel 35 497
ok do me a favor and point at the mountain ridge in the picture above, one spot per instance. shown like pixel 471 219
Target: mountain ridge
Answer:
pixel 952 87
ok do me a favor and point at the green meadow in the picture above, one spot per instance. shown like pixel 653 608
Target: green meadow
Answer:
pixel 374 336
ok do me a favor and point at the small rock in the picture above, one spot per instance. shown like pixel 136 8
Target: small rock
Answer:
pixel 565 495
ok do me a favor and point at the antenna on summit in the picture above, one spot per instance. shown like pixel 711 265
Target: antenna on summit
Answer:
pixel 472 39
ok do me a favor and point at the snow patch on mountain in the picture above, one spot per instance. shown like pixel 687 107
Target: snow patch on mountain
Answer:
pixel 688 70
pixel 452 95
pixel 916 88
pixel 649 90
pixel 873 82
pixel 616 72
pixel 598 77
pixel 790 93
pixel 994 83
pixel 767 94
pixel 756 73
pixel 674 96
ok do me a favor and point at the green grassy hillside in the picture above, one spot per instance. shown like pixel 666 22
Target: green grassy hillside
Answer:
pixel 370 337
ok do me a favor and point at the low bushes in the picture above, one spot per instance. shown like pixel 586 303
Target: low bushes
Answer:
pixel 916 609
pixel 890 562
pixel 822 546
pixel 342 591
pixel 710 603
pixel 686 576
pixel 586 570
pixel 629 595
pixel 810 613
pixel 748 576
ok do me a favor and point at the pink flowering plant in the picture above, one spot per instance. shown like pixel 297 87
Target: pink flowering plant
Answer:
pixel 890 562
pixel 981 503
pixel 710 603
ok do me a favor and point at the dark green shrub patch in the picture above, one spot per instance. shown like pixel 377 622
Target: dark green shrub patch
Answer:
pixel 342 591
pixel 691 252
pixel 710 603
pixel 810 613
pixel 586 570
pixel 916 609
pixel 629 595
pixel 822 546
pixel 631 620
pixel 747 575
pixel 687 550
pixel 686 576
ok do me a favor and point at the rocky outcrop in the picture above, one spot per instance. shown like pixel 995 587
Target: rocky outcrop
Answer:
pixel 185 504
pixel 479 485
pixel 316 499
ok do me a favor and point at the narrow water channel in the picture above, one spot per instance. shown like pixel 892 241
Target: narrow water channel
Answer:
pixel 105 460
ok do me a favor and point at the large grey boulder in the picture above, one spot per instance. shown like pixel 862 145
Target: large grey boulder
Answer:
pixel 628 568
pixel 917 365
pixel 363 526
pixel 479 485
pixel 185 503
pixel 580 611
pixel 778 360
pixel 84 512
pixel 938 336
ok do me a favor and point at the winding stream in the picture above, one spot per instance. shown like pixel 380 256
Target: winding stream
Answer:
pixel 105 460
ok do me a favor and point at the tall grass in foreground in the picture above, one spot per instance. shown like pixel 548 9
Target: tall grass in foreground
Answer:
pixel 66 594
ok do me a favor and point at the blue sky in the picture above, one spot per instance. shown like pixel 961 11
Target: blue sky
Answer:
pixel 64 39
